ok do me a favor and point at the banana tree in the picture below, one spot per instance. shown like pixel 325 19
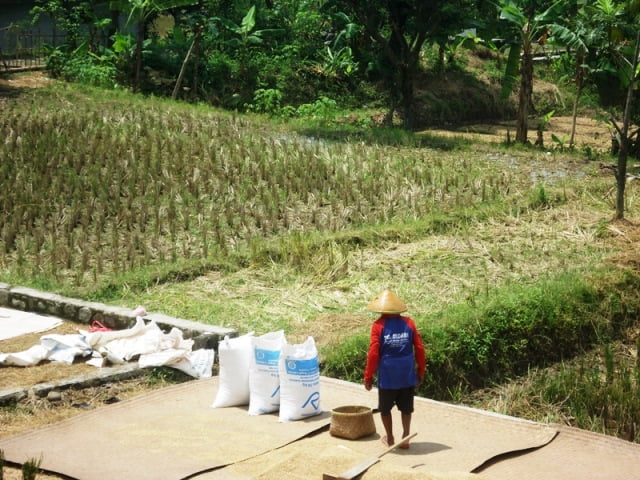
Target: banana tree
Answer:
pixel 139 13
pixel 245 36
pixel 531 29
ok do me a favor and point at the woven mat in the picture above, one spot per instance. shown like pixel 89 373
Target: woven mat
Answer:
pixel 573 455
pixel 450 438
pixel 170 433
pixel 452 441
pixel 173 433
pixel 308 458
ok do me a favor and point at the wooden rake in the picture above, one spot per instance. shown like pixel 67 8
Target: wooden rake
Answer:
pixel 363 466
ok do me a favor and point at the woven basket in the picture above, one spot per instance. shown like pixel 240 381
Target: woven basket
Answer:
pixel 352 422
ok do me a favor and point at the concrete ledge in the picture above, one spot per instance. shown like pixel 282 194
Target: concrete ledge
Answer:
pixel 118 318
pixel 95 378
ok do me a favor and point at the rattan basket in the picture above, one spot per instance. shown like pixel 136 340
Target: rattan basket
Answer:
pixel 352 422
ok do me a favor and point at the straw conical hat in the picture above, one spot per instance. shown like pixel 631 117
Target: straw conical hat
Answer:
pixel 387 302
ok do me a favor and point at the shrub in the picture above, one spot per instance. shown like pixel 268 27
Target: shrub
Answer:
pixel 521 327
pixel 601 395
pixel 266 100
pixel 219 78
pixel 83 67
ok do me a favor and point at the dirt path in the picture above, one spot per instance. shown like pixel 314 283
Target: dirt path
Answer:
pixel 590 133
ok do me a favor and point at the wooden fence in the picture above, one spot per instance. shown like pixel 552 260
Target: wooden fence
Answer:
pixel 25 49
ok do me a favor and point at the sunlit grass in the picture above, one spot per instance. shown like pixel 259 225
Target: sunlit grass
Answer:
pixel 101 189
pixel 234 221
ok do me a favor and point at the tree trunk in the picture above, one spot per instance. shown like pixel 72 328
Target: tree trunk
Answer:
pixel 139 45
pixel 114 26
pixel 407 97
pixel 196 72
pixel 440 64
pixel 524 95
pixel 576 100
pixel 176 88
pixel 621 176
pixel 575 116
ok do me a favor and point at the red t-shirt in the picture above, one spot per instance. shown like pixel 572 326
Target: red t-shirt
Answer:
pixel 396 353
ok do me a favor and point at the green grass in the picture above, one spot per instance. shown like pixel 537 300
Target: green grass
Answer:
pixel 31 468
pixel 502 334
pixel 597 391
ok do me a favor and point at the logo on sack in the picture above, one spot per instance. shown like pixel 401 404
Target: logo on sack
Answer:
pixel 313 400
pixel 303 367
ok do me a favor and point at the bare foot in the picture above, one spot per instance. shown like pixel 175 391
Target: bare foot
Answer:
pixel 386 442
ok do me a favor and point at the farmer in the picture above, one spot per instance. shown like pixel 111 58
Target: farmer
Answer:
pixel 397 356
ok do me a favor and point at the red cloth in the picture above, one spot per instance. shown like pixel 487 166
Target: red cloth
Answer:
pixel 373 355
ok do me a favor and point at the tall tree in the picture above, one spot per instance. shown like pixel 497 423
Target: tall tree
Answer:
pixel 531 27
pixel 612 41
pixel 398 30
pixel 631 75
pixel 621 179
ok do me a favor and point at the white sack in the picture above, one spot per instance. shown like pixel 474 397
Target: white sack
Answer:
pixel 299 381
pixel 65 348
pixel 26 358
pixel 197 363
pixel 161 358
pixel 264 380
pixel 151 339
pixel 234 357
pixel 99 339
pixel 55 348
pixel 148 342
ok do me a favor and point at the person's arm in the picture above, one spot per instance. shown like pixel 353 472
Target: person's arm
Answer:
pixel 419 352
pixel 373 355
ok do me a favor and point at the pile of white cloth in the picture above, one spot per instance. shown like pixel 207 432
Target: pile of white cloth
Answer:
pixel 145 342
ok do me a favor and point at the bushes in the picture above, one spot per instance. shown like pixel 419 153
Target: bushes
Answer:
pixel 525 327
pixel 83 67
pixel 473 346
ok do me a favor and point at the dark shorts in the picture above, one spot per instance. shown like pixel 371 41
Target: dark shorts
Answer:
pixel 402 398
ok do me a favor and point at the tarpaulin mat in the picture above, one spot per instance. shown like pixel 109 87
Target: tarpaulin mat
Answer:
pixel 450 439
pixel 14 323
pixel 573 455
pixel 173 433
pixel 310 457
pixel 166 434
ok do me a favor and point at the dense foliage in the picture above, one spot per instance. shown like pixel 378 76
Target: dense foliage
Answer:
pixel 274 56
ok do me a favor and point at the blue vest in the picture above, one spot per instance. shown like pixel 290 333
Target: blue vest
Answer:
pixel 397 367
